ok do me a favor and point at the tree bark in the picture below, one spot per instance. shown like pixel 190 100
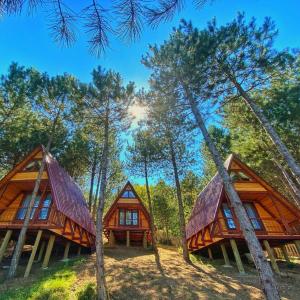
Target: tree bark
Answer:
pixel 102 293
pixel 266 275
pixel 22 235
pixel 93 173
pixel 97 193
pixel 152 228
pixel 258 112
pixel 185 250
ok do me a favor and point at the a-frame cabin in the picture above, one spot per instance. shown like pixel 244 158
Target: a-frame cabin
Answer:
pixel 213 227
pixel 127 220
pixel 60 217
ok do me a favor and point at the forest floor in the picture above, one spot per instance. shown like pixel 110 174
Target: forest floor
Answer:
pixel 132 274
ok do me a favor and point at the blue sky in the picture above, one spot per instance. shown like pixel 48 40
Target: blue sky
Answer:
pixel 26 39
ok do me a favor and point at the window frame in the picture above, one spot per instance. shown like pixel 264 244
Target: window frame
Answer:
pixel 257 216
pixel 128 197
pixel 131 210
pixel 226 218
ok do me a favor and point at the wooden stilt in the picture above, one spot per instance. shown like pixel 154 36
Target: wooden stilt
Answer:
pixel 145 240
pixel 210 256
pixel 297 244
pixel 33 252
pixel 48 251
pixel 225 255
pixel 237 256
pixel 5 243
pixel 79 251
pixel 41 251
pixel 271 256
pixel 285 253
pixel 67 248
pixel 127 238
pixel 111 238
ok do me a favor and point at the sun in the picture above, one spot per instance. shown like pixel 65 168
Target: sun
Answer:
pixel 138 112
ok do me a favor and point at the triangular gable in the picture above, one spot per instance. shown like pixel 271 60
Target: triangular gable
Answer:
pixel 127 186
pixel 66 194
pixel 207 203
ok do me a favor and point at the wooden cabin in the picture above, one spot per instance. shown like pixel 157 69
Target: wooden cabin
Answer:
pixel 213 228
pixel 60 218
pixel 127 220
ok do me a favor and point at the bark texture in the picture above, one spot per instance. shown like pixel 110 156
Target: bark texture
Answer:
pixel 266 276
pixel 185 251
pixel 102 293
pixel 93 173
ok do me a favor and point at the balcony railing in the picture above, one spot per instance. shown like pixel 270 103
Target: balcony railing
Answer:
pixel 39 217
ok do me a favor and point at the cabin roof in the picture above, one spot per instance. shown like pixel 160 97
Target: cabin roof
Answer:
pixel 66 194
pixel 113 206
pixel 207 203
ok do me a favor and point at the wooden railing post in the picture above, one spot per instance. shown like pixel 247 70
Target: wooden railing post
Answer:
pixel 285 253
pixel 271 256
pixel 67 248
pixel 237 256
pixel 225 255
pixel 48 251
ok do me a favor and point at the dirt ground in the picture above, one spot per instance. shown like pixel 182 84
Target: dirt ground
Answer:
pixel 132 274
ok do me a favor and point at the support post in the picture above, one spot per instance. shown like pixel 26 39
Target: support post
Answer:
pixel 127 238
pixel 271 256
pixel 225 255
pixel 145 240
pixel 111 238
pixel 237 256
pixel 210 256
pixel 285 253
pixel 41 251
pixel 48 251
pixel 79 251
pixel 297 244
pixel 67 248
pixel 5 243
pixel 33 252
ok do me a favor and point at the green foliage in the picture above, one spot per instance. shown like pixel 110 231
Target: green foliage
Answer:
pixel 88 293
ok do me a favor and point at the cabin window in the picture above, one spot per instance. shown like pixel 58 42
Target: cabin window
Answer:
pixel 45 208
pixel 253 216
pixel 228 216
pixel 128 194
pixel 33 166
pixel 25 204
pixel 239 176
pixel 128 217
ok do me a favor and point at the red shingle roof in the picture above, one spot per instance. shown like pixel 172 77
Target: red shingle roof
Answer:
pixel 67 195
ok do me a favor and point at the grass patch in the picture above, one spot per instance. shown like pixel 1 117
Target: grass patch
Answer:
pixel 53 284
pixel 88 292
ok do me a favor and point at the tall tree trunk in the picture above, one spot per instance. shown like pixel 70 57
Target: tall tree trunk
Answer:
pixel 102 293
pixel 152 228
pixel 22 235
pixel 97 192
pixel 93 173
pixel 185 250
pixel 265 272
pixel 292 186
pixel 281 147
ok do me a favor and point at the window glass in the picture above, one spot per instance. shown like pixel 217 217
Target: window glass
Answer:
pixel 253 216
pixel 121 217
pixel 25 204
pixel 128 217
pixel 46 206
pixel 134 217
pixel 229 217
pixel 128 194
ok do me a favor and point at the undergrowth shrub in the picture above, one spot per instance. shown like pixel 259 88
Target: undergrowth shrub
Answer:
pixel 88 293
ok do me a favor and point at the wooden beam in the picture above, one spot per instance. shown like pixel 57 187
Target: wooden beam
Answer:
pixel 33 252
pixel 225 255
pixel 67 248
pixel 111 239
pixel 285 253
pixel 210 254
pixel 127 238
pixel 271 256
pixel 145 240
pixel 5 243
pixel 297 244
pixel 41 251
pixel 237 256
pixel 48 251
